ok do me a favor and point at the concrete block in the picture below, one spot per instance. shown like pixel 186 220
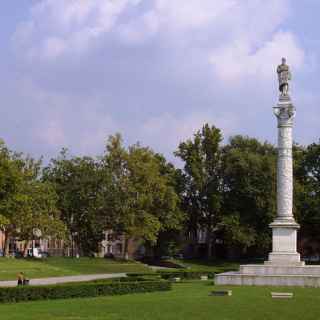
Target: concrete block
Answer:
pixel 221 293
pixel 281 295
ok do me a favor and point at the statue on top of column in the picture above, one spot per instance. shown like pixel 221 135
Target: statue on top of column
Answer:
pixel 284 75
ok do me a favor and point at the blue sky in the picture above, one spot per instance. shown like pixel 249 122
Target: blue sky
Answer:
pixel 73 72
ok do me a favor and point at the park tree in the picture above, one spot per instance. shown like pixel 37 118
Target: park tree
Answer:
pixel 170 240
pixel 26 203
pixel 249 201
pixel 10 182
pixel 142 200
pixel 36 214
pixel 81 187
pixel 307 189
pixel 202 194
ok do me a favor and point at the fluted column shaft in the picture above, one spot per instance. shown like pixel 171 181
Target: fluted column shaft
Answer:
pixel 284 227
pixel 285 116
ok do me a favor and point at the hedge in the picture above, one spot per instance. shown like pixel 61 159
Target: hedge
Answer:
pixel 79 290
pixel 186 275
pixel 168 275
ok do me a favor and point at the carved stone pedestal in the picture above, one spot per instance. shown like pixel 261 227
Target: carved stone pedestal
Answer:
pixel 284 244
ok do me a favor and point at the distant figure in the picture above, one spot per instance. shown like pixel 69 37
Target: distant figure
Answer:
pixel 20 278
pixel 25 281
pixel 284 75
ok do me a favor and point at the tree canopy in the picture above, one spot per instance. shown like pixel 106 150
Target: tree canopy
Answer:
pixel 224 192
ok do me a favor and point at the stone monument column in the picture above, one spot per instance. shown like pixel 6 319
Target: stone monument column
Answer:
pixel 284 267
pixel 284 227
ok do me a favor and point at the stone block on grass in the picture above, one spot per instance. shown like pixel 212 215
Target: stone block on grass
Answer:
pixel 281 295
pixel 221 293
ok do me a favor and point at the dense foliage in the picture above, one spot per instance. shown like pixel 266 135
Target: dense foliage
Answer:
pixel 202 176
pixel 249 205
pixel 80 290
pixel 223 196
pixel 126 190
pixel 27 203
pixel 230 192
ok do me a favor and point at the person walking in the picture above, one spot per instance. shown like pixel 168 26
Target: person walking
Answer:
pixel 25 281
pixel 20 278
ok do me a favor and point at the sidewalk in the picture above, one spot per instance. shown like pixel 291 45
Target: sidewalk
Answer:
pixel 56 280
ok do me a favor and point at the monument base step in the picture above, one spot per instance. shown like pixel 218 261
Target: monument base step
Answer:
pixel 284 258
pixel 271 275
pixel 240 279
pixel 269 269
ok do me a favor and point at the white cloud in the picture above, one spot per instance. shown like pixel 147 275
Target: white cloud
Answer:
pixel 192 13
pixel 53 47
pixel 236 38
pixel 237 61
pixel 57 120
pixel 170 130
pixel 57 27
pixel 155 70
pixel 52 134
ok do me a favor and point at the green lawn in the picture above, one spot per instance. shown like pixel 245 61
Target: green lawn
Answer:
pixel 55 267
pixel 187 301
pixel 210 266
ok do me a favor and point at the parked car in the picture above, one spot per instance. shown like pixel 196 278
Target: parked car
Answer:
pixel 35 253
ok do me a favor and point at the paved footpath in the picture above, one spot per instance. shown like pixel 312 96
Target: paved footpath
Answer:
pixel 56 280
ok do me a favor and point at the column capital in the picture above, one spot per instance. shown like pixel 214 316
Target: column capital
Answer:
pixel 285 113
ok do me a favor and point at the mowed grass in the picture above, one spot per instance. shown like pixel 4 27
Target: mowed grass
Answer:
pixel 56 267
pixel 209 266
pixel 187 301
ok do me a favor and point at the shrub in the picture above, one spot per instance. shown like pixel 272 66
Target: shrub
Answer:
pixel 145 275
pixel 77 290
pixel 186 275
pixel 168 275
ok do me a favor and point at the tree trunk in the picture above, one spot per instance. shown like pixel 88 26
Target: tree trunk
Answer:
pixel 209 249
pixel 6 244
pixel 26 246
pixel 126 247
pixel 211 240
pixel 194 243
pixel 3 241
pixel 213 244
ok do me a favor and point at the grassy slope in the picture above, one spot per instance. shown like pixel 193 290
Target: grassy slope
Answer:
pixel 187 301
pixel 55 267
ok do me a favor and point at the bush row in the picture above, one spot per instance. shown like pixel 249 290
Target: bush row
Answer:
pixel 166 263
pixel 186 275
pixel 168 275
pixel 77 290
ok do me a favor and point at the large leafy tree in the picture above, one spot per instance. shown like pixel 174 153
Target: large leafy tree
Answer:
pixel 142 200
pixel 170 242
pixel 26 202
pixel 81 187
pixel 307 189
pixel 202 194
pixel 10 182
pixel 249 179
